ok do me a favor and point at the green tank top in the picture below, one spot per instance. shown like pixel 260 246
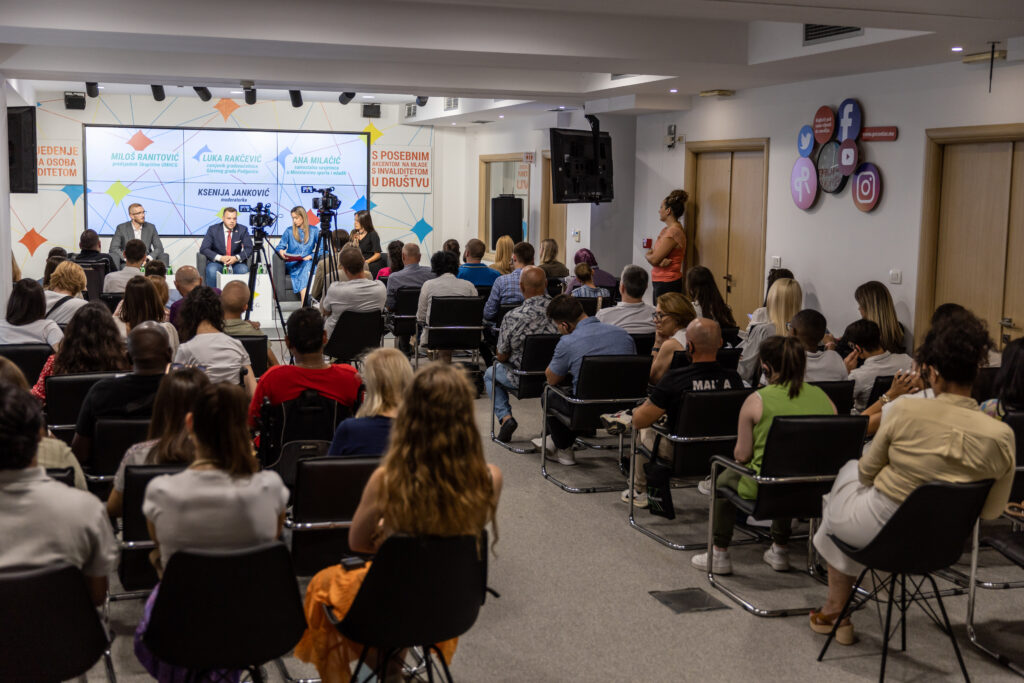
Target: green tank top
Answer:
pixel 775 401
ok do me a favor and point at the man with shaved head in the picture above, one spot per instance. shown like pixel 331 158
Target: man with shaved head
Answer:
pixel 186 279
pixel 412 274
pixel 235 300
pixel 530 318
pixel 703 339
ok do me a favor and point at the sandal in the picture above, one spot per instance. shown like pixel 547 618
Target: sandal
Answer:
pixel 1015 510
pixel 822 623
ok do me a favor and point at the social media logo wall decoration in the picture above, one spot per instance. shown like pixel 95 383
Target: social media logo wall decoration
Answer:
pixel 867 187
pixel 848 120
pixel 848 157
pixel 805 141
pixel 803 183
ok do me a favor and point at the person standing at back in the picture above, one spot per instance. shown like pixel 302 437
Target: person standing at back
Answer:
pixel 667 253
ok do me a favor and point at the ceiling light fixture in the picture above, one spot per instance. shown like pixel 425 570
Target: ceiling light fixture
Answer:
pixel 346 97
pixel 421 100
pixel 501 116
pixel 158 92
pixel 956 48
pixel 673 90
pixel 368 97
pixel 561 106
pixel 453 123
pixel 296 97
pixel 203 92
pixel 92 89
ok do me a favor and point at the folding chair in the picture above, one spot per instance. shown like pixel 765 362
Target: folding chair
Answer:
pixel 840 393
pixel 112 437
pixel 354 334
pixel 64 397
pixel 455 323
pixel 30 358
pixel 538 349
pixel 802 456
pixel 307 417
pixel 880 386
pixel 135 571
pixel 606 384
pixel 589 304
pixel 256 347
pixel 65 475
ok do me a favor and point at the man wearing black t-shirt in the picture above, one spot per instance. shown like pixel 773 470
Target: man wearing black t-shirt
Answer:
pixel 127 396
pixel 703 339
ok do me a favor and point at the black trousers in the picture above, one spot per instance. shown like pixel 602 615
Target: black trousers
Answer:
pixel 560 434
pixel 659 288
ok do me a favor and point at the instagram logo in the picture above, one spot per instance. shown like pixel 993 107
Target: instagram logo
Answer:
pixel 867 187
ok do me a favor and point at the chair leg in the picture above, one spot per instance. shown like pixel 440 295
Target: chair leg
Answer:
pixel 949 629
pixel 444 664
pixel 888 622
pixel 842 613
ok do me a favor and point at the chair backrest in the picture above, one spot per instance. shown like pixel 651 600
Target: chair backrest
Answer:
pixel 354 333
pixel 603 377
pixel 484 291
pixel 403 316
pixel 589 304
pixel 207 615
pixel 879 387
pixel 307 417
pixel 706 415
pixel 644 343
pixel 30 358
pixel 112 299
pixel 1015 419
pixel 279 275
pixel 135 570
pixel 95 271
pixel 929 530
pixel 52 630
pixel 840 393
pixel 437 583
pixel 65 475
pixel 505 309
pixel 456 322
pixel 805 446
pixel 294 451
pixel 538 349
pixel 731 336
pixel 728 358
pixel 326 495
pixel 984 383
pixel 64 396
pixel 383 279
pixel 555 286
pixel 256 347
pixel 114 436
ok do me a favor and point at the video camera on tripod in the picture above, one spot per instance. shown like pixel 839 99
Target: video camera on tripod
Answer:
pixel 260 218
pixel 326 205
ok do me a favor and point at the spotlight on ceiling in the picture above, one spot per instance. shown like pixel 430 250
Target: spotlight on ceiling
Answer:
pixel 92 89
pixel 421 101
pixel 203 92
pixel 250 95
pixel 296 96
pixel 346 97
pixel 158 92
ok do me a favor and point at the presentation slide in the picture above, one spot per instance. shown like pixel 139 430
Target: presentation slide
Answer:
pixel 186 177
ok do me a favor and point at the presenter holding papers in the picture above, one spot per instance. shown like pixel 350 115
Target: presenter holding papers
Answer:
pixel 137 229
pixel 226 244
pixel 296 248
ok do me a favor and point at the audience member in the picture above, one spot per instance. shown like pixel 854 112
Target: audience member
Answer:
pixel 15 270
pixel 706 297
pixel 783 361
pixel 394 259
pixel 169 442
pixel 205 344
pixel 785 299
pixel 506 288
pixel 587 288
pixel 186 279
pixel 823 365
pixel 64 297
pixel 433 482
pixel 305 338
pixel 503 255
pixel 135 259
pixel 298 242
pixel 445 265
pixel 412 273
pixel 549 263
pixel 518 324
pixel 92 344
pixel 359 294
pixel 339 240
pixel 42 521
pixel 452 245
pixel 51 265
pixel 142 303
pixel 875 304
pixel 26 321
pixel 581 336
pixel 669 249
pixel 474 269
pixel 155 267
pixel 160 282
pixel 631 314
pixel 386 375
pixel 864 338
pixel 760 315
pixel 601 278
pixel 671 317
pixel 946 439
pixel 1009 383
pixel 235 301
pixel 89 250
pixel 366 237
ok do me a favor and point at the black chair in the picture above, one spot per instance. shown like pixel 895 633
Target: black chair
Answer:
pixel 503 310
pixel 52 630
pixel 437 583
pixel 401 320
pixel 538 350
pixel 324 500
pixel 1015 419
pixel 454 323
pixel 927 533
pixel 353 334
pixel 606 384
pixel 95 272
pixel 644 343
pixel 1009 544
pixel 383 279
pixel 206 618
pixel 135 571
pixel 840 393
pixel 802 456
pixel 731 336
pixel 256 347
pixel 983 383
pixel 279 276
pixel 294 451
pixel 880 386
pixel 307 417
pixel 30 358
pixel 589 304
pixel 484 291
pixel 705 426
pixel 111 438
pixel 112 299
pixel 64 397
pixel 728 358
pixel 65 475
pixel 556 286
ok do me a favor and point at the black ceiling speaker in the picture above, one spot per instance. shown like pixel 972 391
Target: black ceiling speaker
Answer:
pixel 296 96
pixel 250 95
pixel 92 89
pixel 346 97
pixel 203 92
pixel 158 92
pixel 421 101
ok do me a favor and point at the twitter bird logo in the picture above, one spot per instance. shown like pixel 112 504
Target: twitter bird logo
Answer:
pixel 805 141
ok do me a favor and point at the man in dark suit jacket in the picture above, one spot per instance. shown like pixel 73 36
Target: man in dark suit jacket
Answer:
pixel 137 229
pixel 218 253
pixel 89 246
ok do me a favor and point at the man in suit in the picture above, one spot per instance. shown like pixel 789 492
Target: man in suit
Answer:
pixel 137 229
pixel 89 246
pixel 226 244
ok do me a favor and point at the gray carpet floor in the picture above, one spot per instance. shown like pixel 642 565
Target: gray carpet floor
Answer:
pixel 575 583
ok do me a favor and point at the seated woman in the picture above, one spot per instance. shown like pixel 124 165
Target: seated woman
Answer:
pixel 785 299
pixel 945 439
pixel 433 482
pixel 503 255
pixel 160 282
pixel 298 242
pixel 141 303
pixel 784 362
pixel 395 262
pixel 587 288
pixel 366 237
pixel 602 278
pixel 1009 382
pixel 64 297
pixel 169 441
pixel 221 502
pixel 671 316
pixel 549 262
pixel 91 344
pixel 760 315
pixel 706 297
pixel 205 344
pixel 26 321
pixel 386 374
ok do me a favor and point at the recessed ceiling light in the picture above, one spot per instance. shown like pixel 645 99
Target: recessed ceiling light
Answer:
pixel 957 48
pixel 453 123
pixel 501 116
pixel 561 106
pixel 236 92
pixel 101 87
pixel 673 90
pixel 367 97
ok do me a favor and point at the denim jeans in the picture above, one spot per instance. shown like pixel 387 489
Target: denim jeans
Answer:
pixel 497 389
pixel 213 267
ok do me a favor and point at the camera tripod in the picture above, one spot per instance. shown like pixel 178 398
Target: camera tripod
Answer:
pixel 259 259
pixel 323 246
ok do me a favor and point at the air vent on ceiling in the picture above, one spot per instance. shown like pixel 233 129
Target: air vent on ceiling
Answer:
pixel 410 110
pixel 481 122
pixel 451 103
pixel 822 33
pixel 371 111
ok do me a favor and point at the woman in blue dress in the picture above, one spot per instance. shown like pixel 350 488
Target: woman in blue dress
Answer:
pixel 298 242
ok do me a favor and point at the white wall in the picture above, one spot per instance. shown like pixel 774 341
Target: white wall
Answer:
pixel 834 247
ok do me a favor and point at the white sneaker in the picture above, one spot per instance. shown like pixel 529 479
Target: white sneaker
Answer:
pixel 564 456
pixel 550 448
pixel 723 563
pixel 777 558
pixel 639 498
pixel 704 487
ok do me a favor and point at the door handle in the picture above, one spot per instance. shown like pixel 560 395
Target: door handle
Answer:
pixel 1006 322
pixel 727 277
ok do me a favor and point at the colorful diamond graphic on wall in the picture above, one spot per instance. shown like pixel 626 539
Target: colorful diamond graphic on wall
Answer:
pixel 360 205
pixel 32 241
pixel 422 229
pixel 117 192
pixel 374 133
pixel 226 107
pixel 204 150
pixel 73 192
pixel 314 220
pixel 283 156
pixel 139 142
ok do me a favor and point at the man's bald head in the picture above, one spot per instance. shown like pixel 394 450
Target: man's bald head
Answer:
pixel 234 299
pixel 149 348
pixel 410 253
pixel 533 281
pixel 705 336
pixel 186 279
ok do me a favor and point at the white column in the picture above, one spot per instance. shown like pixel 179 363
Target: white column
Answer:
pixel 5 204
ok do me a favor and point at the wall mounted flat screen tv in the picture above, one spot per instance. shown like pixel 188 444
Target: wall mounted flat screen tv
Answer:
pixel 581 167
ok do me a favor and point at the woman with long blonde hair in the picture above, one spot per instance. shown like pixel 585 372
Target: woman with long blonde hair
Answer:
pixel 386 374
pixel 785 299
pixel 549 262
pixel 298 242
pixel 875 304
pixel 503 255
pixel 433 482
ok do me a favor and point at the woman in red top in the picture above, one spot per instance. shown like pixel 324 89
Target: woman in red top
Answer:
pixel 666 256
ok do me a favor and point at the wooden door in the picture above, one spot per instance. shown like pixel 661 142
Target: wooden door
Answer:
pixel 746 234
pixel 552 216
pixel 711 213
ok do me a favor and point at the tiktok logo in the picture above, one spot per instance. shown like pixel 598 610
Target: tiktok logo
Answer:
pixel 849 120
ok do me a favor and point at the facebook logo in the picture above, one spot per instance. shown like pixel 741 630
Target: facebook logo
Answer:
pixel 849 120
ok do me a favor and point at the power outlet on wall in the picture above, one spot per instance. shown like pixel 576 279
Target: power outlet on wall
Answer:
pixel 576 235
pixel 895 277
pixel 776 261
